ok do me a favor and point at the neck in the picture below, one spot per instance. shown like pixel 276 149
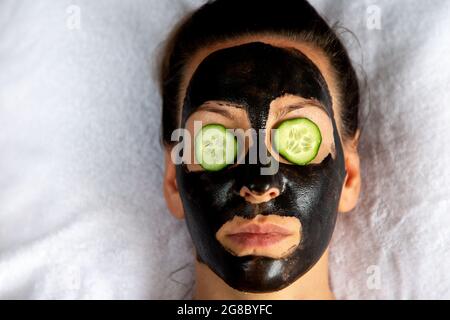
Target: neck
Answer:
pixel 314 285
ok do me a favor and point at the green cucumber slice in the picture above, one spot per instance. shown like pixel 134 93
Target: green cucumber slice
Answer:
pixel 215 147
pixel 298 140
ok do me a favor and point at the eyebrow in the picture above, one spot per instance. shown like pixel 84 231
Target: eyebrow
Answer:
pixel 301 105
pixel 217 107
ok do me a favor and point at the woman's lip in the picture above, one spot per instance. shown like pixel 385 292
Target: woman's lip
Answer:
pixel 257 239
pixel 255 235
pixel 261 229
pixel 272 236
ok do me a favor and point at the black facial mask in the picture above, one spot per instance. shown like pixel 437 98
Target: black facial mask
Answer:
pixel 253 75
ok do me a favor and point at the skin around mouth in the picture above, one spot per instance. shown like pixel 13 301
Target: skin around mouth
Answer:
pixel 270 236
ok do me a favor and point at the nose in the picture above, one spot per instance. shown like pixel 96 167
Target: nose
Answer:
pixel 255 187
pixel 258 195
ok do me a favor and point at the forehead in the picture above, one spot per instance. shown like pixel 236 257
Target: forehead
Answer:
pixel 253 75
pixel 313 52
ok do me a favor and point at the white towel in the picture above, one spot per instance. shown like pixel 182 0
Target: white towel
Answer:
pixel 81 209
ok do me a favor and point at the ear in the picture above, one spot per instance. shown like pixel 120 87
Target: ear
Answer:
pixel 171 192
pixel 352 185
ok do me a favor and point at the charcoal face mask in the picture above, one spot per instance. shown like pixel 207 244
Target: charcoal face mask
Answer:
pixel 253 75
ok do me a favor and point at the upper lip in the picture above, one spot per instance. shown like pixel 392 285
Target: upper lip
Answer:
pixel 254 228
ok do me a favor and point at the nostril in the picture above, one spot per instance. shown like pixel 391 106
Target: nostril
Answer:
pixel 273 193
pixel 256 197
pixel 245 192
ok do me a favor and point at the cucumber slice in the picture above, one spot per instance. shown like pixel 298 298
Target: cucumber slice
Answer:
pixel 298 140
pixel 215 147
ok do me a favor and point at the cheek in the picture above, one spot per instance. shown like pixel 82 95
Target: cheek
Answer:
pixel 212 198
pixel 309 188
pixel 214 193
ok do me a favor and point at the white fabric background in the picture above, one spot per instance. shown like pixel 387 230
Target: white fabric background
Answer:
pixel 81 208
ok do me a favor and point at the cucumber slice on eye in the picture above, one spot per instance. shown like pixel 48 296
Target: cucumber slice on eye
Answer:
pixel 298 141
pixel 215 147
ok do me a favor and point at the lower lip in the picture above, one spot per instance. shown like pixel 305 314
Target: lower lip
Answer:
pixel 257 239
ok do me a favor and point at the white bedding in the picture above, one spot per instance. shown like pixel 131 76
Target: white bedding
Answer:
pixel 81 209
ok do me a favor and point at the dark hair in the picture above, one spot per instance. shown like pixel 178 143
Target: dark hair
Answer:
pixel 221 20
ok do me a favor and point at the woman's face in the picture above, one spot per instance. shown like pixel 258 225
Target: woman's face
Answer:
pixel 260 230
